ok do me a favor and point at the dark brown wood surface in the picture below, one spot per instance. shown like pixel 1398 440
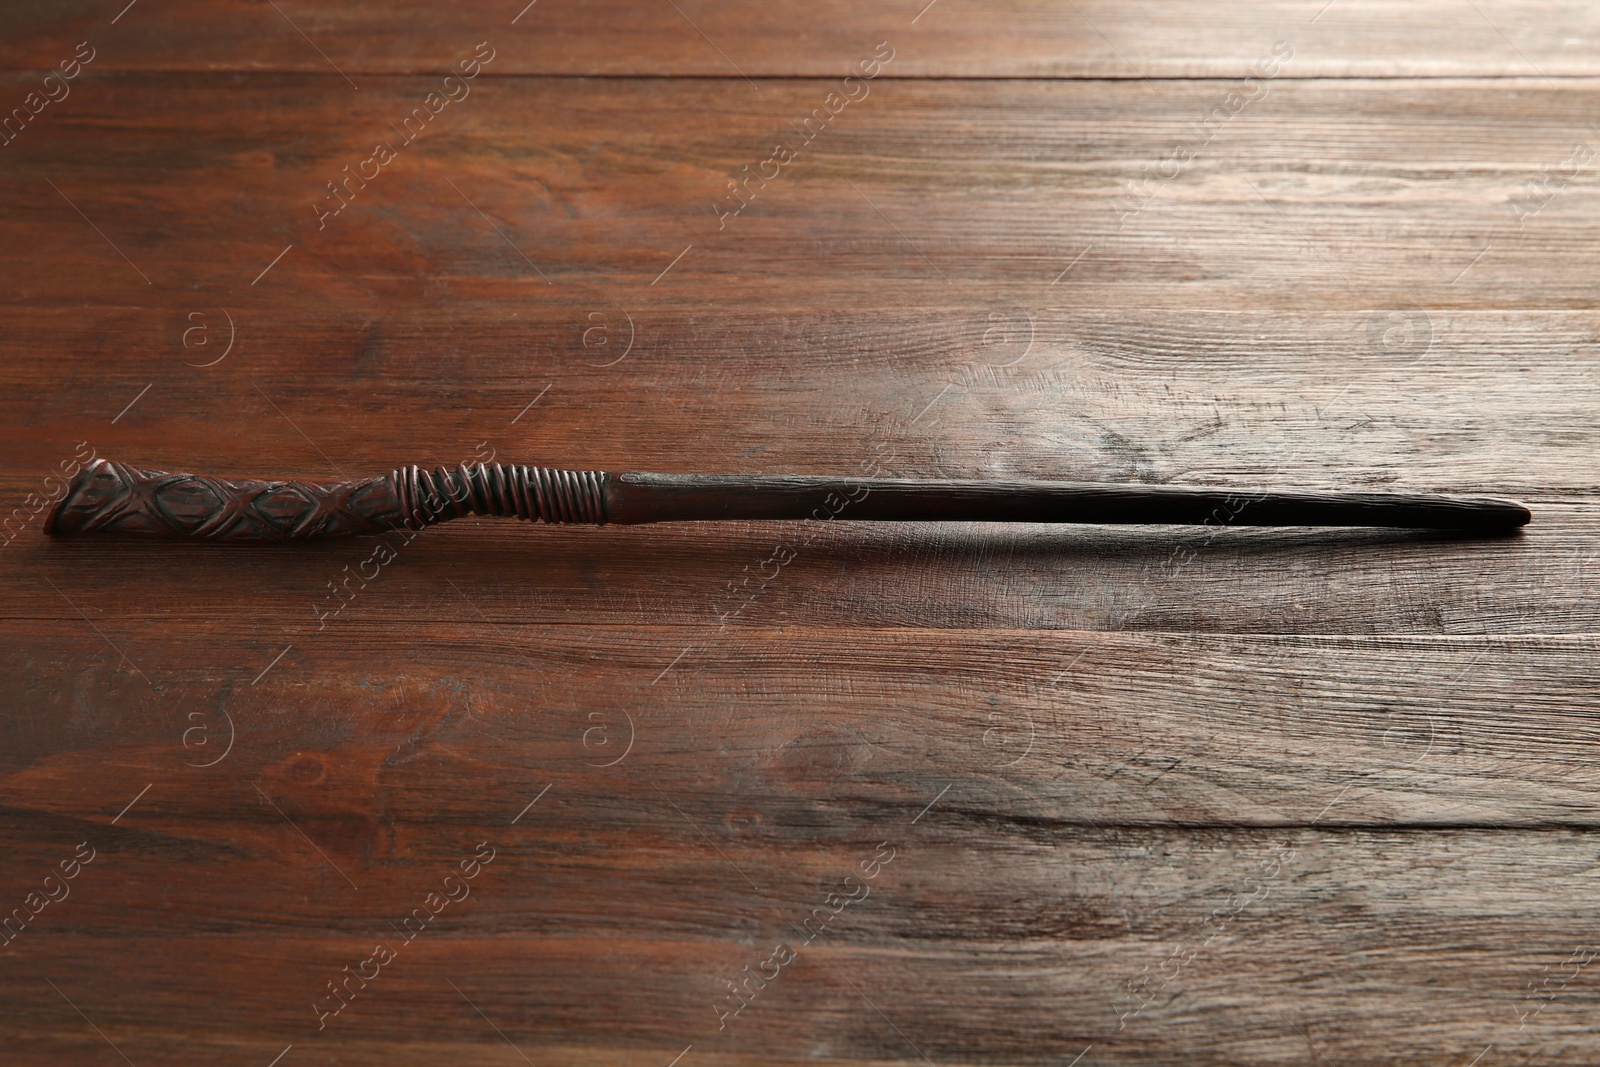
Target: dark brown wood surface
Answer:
pixel 1151 795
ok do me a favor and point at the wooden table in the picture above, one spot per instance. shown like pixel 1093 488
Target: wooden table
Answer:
pixel 918 794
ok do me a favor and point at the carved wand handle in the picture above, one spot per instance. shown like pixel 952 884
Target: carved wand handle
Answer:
pixel 115 498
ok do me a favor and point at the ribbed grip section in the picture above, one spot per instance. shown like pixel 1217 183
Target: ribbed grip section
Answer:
pixel 538 494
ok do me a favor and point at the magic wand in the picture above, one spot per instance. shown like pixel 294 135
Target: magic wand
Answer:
pixel 115 498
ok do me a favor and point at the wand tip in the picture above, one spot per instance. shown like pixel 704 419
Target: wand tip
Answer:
pixel 1502 514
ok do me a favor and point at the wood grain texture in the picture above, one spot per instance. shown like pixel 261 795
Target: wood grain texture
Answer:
pixel 1372 195
pixel 824 38
pixel 1064 728
pixel 1109 911
pixel 1153 796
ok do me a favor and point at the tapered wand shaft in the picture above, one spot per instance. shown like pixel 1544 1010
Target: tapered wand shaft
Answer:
pixel 115 498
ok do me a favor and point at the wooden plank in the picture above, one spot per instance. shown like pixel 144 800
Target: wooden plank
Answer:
pixel 947 38
pixel 1364 195
pixel 982 939
pixel 1469 401
pixel 827 729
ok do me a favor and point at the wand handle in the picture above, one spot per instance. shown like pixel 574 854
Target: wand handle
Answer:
pixel 115 498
